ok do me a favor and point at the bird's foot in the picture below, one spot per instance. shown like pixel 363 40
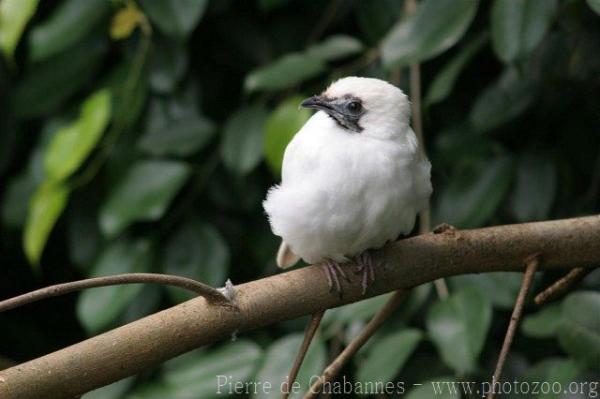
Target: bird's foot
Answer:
pixel 333 271
pixel 365 266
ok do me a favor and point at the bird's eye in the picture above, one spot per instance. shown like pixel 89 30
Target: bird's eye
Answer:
pixel 354 107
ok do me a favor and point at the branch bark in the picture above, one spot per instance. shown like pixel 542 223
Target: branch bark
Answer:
pixel 332 371
pixel 210 293
pixel 531 267
pixel 5 362
pixel 137 346
pixel 562 285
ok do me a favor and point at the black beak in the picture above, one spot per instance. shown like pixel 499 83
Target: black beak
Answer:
pixel 316 102
pixel 335 108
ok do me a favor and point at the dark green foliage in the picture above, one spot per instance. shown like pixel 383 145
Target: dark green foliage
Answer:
pixel 142 136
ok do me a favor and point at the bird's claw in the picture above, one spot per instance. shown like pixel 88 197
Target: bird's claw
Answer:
pixel 365 266
pixel 332 271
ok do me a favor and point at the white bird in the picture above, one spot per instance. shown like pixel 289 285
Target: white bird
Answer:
pixel 353 178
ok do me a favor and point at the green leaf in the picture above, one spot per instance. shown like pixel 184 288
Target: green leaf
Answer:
pixel 458 327
pixel 287 71
pixel 460 145
pixel 45 207
pixel 179 137
pixel 387 355
pixel 198 375
pixel 474 193
pixel 72 144
pixel 142 195
pixel 281 127
pixel 500 287
pixel 502 101
pixel 594 5
pixel 362 310
pixel 146 302
pixel 579 329
pixel 116 390
pixel 68 24
pixel 276 366
pixel 535 188
pixel 169 63
pixel 83 249
pixel 414 303
pixel 151 390
pixel 21 188
pixel 434 27
pixel 375 18
pixel 175 18
pixel 14 16
pixel 204 374
pixel 445 80
pixel 519 26
pixel 130 90
pixel 48 84
pixel 243 139
pixel 544 323
pixel 16 199
pixel 8 140
pixel 98 308
pixel 268 5
pixel 439 388
pixel 197 251
pixel 335 47
pixel 552 373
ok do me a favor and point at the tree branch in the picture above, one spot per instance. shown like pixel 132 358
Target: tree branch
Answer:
pixel 311 329
pixel 562 285
pixel 342 359
pixel 210 293
pixel 140 345
pixel 417 123
pixel 531 267
pixel 5 362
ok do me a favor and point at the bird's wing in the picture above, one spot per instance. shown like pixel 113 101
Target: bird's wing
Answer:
pixel 285 257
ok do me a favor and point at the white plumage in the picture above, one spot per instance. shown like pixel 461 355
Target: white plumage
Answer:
pixel 349 187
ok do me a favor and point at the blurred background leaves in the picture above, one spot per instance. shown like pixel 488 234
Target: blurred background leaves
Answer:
pixel 143 135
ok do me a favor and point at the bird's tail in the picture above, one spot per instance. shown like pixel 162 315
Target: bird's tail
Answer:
pixel 285 257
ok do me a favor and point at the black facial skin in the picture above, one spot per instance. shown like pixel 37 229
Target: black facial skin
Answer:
pixel 346 110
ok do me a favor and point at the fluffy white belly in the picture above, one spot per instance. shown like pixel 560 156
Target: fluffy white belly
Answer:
pixel 336 201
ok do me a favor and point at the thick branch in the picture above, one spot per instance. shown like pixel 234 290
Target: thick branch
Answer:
pixel 5 362
pixel 127 350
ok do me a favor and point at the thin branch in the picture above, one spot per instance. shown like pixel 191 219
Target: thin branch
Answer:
pixel 211 294
pixel 417 122
pixel 531 267
pixel 311 329
pixel 562 285
pixel 338 364
pixel 147 342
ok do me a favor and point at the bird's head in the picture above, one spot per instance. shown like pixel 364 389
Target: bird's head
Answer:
pixel 365 106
